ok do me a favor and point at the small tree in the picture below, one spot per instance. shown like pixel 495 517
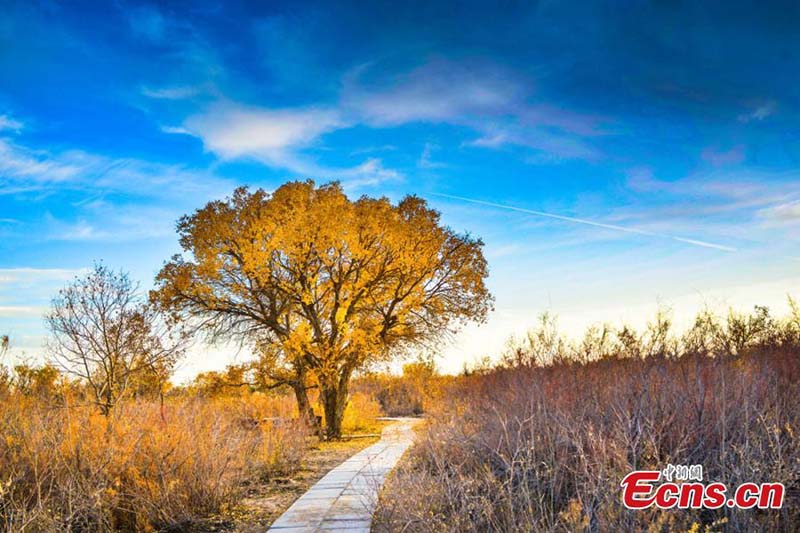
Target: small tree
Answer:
pixel 106 335
pixel 321 285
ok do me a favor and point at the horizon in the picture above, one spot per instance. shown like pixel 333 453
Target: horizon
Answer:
pixel 667 177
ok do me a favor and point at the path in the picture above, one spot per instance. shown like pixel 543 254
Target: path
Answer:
pixel 345 498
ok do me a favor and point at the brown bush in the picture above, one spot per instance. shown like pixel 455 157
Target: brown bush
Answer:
pixel 400 398
pixel 406 395
pixel 528 447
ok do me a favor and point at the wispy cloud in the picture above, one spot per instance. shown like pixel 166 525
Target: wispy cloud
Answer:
pixel 8 123
pixel 147 22
pixel 107 221
pixel 783 214
pixel 720 158
pixel 439 91
pixel 717 191
pixel 425 159
pixel 489 99
pixel 171 93
pixel 24 169
pixel 587 222
pixel 37 275
pixel 550 145
pixel 21 311
pixel 760 112
pixel 144 198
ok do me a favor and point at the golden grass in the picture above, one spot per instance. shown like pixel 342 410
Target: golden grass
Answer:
pixel 145 468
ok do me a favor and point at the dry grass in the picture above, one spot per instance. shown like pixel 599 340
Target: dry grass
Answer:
pixel 186 464
pixel 67 468
pixel 543 447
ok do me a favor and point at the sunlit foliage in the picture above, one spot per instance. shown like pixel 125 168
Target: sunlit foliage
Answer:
pixel 322 285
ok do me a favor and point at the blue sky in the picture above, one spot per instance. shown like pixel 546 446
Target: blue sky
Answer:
pixel 651 150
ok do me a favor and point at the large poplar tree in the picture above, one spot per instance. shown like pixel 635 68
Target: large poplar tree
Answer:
pixel 321 285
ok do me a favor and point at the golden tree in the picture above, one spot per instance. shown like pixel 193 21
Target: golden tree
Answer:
pixel 321 285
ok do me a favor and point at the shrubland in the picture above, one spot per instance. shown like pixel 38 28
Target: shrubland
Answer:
pixel 541 441
pixel 148 465
pixel 155 462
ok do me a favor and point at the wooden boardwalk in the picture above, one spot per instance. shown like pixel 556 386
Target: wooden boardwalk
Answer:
pixel 345 498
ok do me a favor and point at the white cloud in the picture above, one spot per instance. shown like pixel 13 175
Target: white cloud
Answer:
pixel 8 123
pixel 745 206
pixel 369 173
pixel 494 139
pixel 232 130
pixel 79 231
pixel 594 223
pixel 759 113
pixel 498 251
pixel 105 221
pixel 736 190
pixel 562 119
pixel 175 130
pixel 277 137
pixel 782 214
pixel 170 190
pixel 481 96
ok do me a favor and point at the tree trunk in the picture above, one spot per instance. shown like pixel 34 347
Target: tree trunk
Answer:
pixel 334 400
pixel 305 409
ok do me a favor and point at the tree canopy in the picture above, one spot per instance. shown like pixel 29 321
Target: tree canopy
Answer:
pixel 322 285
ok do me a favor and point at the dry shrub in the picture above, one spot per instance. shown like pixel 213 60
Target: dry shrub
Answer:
pixel 405 395
pixel 544 448
pixel 400 398
pixel 146 467
pixel 361 413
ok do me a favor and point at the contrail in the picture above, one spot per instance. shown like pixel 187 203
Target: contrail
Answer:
pixel 693 242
